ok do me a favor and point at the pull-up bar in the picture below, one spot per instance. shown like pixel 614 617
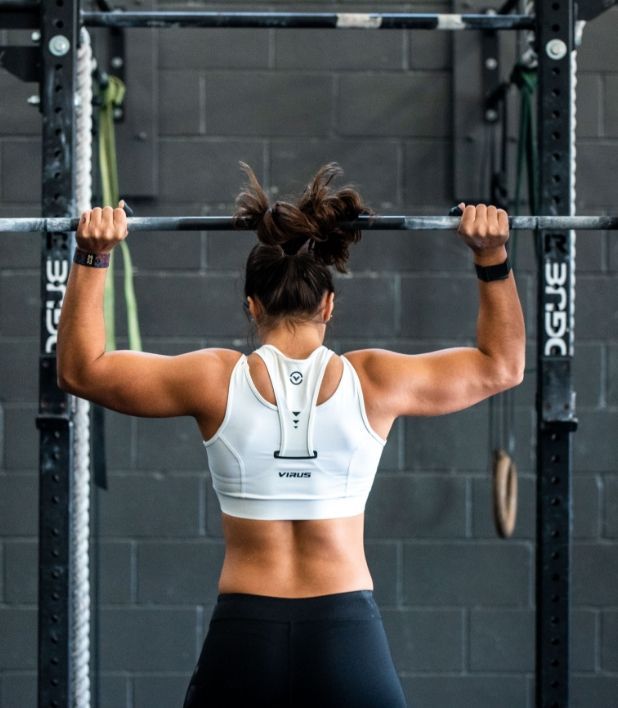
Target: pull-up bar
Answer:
pixel 375 223
pixel 309 20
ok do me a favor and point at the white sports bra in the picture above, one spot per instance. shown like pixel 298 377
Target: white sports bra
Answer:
pixel 295 460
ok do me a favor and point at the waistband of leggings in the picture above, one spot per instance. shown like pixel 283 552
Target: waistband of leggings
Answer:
pixel 357 604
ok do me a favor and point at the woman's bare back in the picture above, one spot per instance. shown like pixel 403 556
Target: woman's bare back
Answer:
pixel 300 558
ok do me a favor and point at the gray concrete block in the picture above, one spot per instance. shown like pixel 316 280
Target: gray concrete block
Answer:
pixel 112 690
pixel 595 160
pixel 202 305
pixel 595 442
pixel 598 50
pixel 174 346
pixel 150 505
pixel 160 690
pixel 591 249
pixel 439 307
pixel 183 573
pixel 364 306
pixel 391 454
pixel 160 251
pixel 457 441
pixel 260 104
pixel 18 377
pixel 596 310
pixel 426 640
pixel 141 639
pixel 322 49
pixel 417 506
pixel 19 636
pixel 201 48
pixel 588 372
pixel 612 375
pixel 383 562
pixel 214 528
pixel 21 438
pixel 609 645
pixel 439 574
pixel 483 524
pixel 203 170
pixel 20 303
pixel 609 517
pixel 430 51
pixel 21 170
pixel 598 561
pixel 18 505
pixel 21 572
pixel 610 103
pixel 114 570
pixel 170 444
pixel 612 251
pixel 181 103
pixel 21 250
pixel 416 251
pixel 407 104
pixel 470 691
pixel 18 689
pixel 372 167
pixel 584 639
pixel 17 116
pixel 225 251
pixel 589 105
pixel 597 690
pixel 119 441
pixel 587 495
pixel 502 640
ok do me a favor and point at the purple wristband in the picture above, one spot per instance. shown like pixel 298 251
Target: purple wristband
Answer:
pixel 94 260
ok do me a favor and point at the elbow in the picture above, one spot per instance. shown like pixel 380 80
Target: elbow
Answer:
pixel 510 376
pixel 67 380
pixel 65 383
pixel 516 377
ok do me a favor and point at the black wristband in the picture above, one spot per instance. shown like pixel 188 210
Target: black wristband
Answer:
pixel 94 260
pixel 500 271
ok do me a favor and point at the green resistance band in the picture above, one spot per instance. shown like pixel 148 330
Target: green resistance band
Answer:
pixel 112 96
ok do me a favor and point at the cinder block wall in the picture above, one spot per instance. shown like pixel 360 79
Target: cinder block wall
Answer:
pixel 458 602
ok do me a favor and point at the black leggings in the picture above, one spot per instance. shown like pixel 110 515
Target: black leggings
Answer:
pixel 276 652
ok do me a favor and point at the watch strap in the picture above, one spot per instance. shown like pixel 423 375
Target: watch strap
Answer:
pixel 499 271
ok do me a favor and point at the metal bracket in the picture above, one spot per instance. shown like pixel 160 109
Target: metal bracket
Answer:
pixel 490 73
pixel 22 62
pixel 19 14
pixel 117 60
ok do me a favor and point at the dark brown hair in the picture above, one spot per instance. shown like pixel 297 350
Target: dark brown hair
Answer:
pixel 287 270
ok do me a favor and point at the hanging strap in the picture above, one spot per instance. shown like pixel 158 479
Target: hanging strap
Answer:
pixel 296 383
pixel 112 94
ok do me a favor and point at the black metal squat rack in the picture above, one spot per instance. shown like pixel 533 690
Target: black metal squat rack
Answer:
pixel 53 64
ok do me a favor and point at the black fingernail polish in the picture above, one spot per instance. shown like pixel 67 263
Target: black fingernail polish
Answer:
pixel 455 211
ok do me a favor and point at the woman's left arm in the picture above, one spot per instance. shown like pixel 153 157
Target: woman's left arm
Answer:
pixel 135 383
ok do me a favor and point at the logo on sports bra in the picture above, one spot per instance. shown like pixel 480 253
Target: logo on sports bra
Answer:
pixel 294 474
pixel 296 377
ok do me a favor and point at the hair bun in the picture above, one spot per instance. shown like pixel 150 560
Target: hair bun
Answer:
pixel 312 225
pixel 328 208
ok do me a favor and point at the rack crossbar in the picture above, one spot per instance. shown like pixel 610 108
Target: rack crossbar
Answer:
pixel 308 20
pixel 375 223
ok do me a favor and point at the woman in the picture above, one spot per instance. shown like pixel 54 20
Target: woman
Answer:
pixel 294 435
